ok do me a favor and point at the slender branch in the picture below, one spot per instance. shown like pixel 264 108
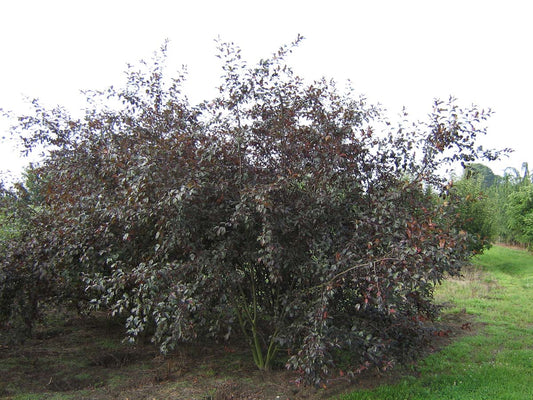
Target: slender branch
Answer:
pixel 370 263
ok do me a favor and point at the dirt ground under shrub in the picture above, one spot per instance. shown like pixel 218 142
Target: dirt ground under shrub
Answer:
pixel 85 358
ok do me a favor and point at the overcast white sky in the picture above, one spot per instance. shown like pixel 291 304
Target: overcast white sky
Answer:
pixel 398 53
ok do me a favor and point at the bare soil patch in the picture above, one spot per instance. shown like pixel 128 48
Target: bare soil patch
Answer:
pixel 85 358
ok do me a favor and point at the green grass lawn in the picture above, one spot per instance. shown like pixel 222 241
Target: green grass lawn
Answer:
pixel 496 362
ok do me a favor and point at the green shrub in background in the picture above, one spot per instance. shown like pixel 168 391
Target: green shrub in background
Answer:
pixel 474 208
pixel 520 213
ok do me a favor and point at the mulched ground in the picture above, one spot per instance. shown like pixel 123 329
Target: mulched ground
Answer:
pixel 85 358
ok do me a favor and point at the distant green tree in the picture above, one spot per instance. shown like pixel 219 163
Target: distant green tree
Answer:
pixel 499 194
pixel 501 200
pixel 480 173
pixel 517 177
pixel 474 209
pixel 520 212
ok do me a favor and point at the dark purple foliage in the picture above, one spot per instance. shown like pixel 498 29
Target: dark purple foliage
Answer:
pixel 282 209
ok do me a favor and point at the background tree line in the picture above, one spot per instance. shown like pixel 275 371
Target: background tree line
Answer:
pixel 497 208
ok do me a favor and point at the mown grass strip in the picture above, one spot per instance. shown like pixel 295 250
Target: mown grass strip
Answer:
pixel 496 363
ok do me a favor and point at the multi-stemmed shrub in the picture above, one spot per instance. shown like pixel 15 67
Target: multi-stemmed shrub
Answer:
pixel 288 212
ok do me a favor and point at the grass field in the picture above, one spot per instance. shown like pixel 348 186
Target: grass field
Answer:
pixel 496 362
